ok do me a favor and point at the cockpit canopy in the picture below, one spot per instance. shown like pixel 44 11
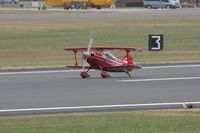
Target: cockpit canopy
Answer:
pixel 108 55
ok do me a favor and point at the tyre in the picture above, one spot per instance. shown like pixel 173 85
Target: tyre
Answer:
pixel 98 7
pixel 66 6
pixel 167 7
pixel 149 6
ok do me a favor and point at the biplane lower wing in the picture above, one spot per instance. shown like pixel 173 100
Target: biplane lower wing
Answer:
pixel 122 68
pixel 115 68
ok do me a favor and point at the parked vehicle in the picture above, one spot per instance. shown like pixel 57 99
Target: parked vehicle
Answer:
pixel 161 4
pixel 8 1
pixel 175 2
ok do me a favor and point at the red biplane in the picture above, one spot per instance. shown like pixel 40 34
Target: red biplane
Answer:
pixel 101 59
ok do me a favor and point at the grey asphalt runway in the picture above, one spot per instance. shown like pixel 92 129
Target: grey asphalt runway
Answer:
pixel 102 14
pixel 61 91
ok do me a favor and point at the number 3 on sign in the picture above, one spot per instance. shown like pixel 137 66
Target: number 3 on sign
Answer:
pixel 158 43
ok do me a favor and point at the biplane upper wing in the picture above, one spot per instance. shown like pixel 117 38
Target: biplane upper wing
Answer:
pixel 117 48
pixel 75 49
pixel 101 48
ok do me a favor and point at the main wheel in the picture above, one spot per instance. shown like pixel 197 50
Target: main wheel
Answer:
pixel 149 6
pixel 167 6
pixel 105 75
pixel 84 75
pixel 66 6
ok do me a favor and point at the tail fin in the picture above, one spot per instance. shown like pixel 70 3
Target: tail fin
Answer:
pixel 128 59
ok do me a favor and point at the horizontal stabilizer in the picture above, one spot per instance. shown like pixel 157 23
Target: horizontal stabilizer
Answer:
pixel 138 67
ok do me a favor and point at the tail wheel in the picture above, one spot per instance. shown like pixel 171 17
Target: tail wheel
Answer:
pixel 129 75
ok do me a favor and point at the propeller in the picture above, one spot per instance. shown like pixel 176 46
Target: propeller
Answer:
pixel 87 53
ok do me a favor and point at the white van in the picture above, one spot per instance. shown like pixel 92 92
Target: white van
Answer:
pixel 175 2
pixel 161 4
pixel 8 1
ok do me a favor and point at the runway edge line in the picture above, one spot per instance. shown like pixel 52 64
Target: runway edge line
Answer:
pixel 99 107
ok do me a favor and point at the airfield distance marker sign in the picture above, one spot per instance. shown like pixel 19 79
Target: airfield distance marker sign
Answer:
pixel 155 42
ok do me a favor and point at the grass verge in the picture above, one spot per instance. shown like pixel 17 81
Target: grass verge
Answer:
pixel 164 121
pixel 41 43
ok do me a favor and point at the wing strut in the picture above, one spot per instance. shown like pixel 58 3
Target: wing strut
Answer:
pixel 75 52
pixel 127 55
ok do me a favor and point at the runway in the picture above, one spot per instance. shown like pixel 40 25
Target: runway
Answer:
pixel 63 91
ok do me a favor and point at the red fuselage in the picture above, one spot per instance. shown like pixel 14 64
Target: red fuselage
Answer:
pixel 110 64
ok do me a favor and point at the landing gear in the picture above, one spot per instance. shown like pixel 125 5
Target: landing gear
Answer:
pixel 129 75
pixel 104 74
pixel 85 74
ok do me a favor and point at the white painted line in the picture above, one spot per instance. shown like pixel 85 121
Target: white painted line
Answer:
pixel 97 107
pixel 159 79
pixel 78 70
pixel 172 66
pixel 38 72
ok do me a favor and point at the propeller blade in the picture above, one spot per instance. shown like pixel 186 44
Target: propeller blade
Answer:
pixel 83 66
pixel 87 53
pixel 89 46
pixel 83 63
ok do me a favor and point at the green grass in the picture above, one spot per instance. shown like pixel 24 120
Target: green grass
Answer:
pixel 166 121
pixel 41 43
